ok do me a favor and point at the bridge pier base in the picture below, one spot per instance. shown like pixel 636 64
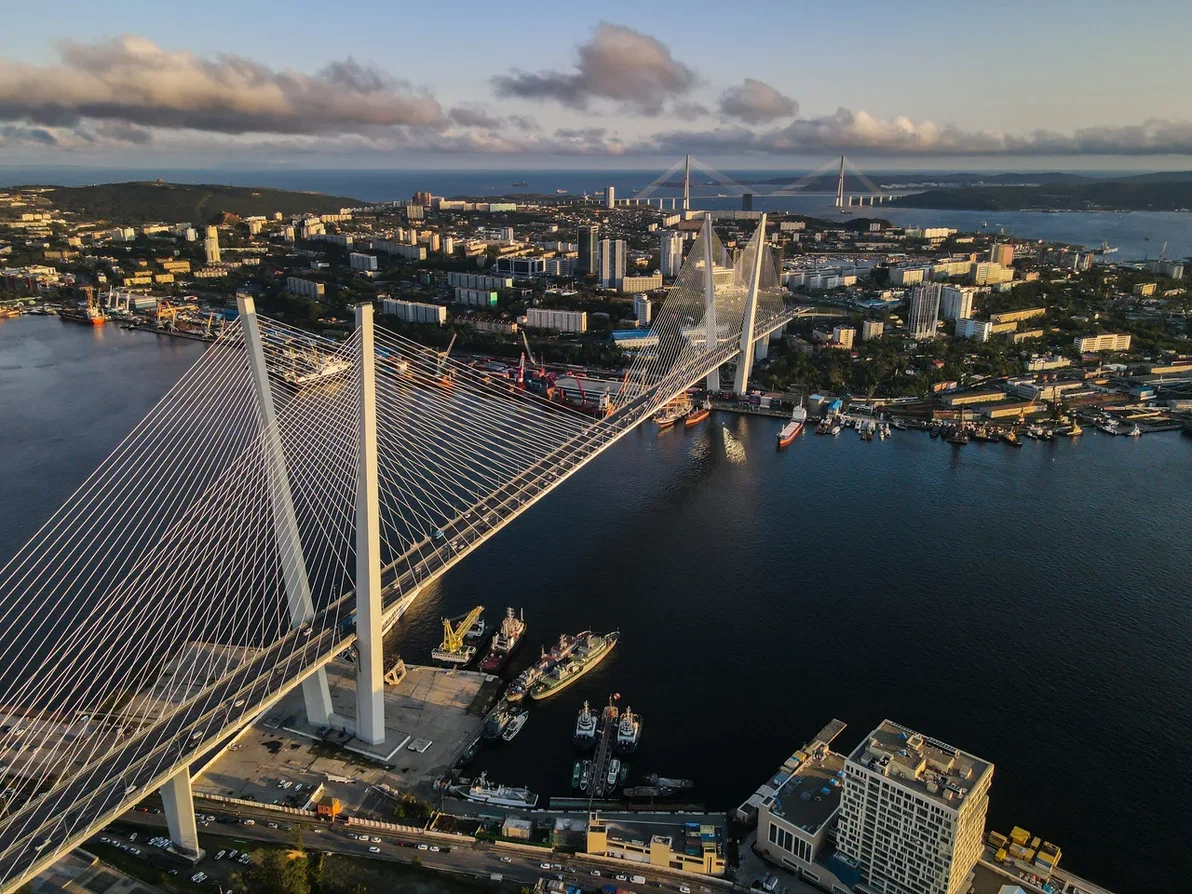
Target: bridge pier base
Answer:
pixel 761 348
pixel 178 803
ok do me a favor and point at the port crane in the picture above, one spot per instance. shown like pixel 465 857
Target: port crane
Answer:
pixel 454 629
pixel 444 376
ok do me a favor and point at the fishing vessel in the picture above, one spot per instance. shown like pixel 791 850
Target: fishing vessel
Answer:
pixel 453 649
pixel 791 430
pixel 629 731
pixel 585 728
pixel 698 414
pixel 532 674
pixel 590 649
pixel 504 642
pixel 515 726
pixel 483 792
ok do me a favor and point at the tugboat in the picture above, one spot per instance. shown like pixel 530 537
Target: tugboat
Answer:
pixel 629 731
pixel 504 642
pixel 497 721
pixel 585 729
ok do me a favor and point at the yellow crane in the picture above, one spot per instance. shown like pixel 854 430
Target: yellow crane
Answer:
pixel 453 633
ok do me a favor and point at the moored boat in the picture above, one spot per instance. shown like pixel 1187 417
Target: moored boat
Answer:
pixel 696 415
pixel 504 642
pixel 520 687
pixel 791 430
pixel 482 791
pixel 614 775
pixel 629 730
pixel 497 721
pixel 585 728
pixel 515 726
pixel 590 649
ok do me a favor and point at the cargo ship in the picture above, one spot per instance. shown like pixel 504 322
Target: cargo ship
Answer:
pixel 590 649
pixel 504 642
pixel 696 415
pixel 483 792
pixel 629 731
pixel 585 728
pixel 791 430
pixel 532 674
pixel 91 313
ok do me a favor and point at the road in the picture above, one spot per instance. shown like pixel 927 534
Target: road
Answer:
pixel 34 834
pixel 480 860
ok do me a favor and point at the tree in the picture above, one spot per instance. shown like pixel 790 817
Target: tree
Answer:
pixel 279 872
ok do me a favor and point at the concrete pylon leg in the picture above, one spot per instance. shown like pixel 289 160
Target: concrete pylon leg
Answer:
pixel 370 692
pixel 315 692
pixel 745 359
pixel 179 806
pixel 711 329
pixel 761 348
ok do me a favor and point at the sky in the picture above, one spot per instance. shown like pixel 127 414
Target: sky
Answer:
pixel 926 85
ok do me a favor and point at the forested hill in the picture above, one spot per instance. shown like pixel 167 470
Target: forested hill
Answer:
pixel 146 202
pixel 1129 194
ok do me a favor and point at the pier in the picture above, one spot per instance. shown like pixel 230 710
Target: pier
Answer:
pixel 604 752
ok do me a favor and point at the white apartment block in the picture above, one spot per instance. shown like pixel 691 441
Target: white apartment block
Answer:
pixel 415 311
pixel 956 302
pixel 563 320
pixel 871 329
pixel 478 281
pixel 977 330
pixel 913 812
pixel 305 287
pixel 923 308
pixel 359 261
pixel 672 253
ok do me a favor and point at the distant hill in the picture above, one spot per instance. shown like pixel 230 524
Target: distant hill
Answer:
pixel 1129 194
pixel 147 202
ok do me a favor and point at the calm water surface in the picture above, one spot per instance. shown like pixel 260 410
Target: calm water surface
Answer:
pixel 1031 606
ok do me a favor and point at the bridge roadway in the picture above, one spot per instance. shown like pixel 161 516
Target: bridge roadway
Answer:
pixel 39 832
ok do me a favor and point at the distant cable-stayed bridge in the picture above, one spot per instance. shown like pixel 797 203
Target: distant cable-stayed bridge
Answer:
pixel 282 501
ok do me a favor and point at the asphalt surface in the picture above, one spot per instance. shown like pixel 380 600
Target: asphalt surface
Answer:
pixel 35 834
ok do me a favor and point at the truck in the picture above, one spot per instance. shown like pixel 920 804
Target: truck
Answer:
pixel 328 809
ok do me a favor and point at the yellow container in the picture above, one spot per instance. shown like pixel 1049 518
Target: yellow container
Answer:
pixel 1019 835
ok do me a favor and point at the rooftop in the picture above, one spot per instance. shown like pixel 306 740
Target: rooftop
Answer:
pixel 932 768
pixel 807 788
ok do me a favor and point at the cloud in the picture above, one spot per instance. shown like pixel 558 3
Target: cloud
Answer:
pixel 863 133
pixel 133 80
pixel 756 102
pixel 470 117
pixel 617 64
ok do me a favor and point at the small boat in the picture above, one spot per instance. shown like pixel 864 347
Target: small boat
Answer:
pixel 1072 431
pixel 934 431
pixel 614 774
pixel 835 429
pixel 1011 437
pixel 629 731
pixel 585 728
pixel 515 726
pixel 577 772
pixel 1135 432
pixel 585 776
pixel 958 436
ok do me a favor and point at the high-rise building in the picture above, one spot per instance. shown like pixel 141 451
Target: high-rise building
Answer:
pixel 612 263
pixel 843 335
pixel 643 309
pixel 913 812
pixel 956 302
pixel 923 310
pixel 747 201
pixel 589 251
pixel 1001 253
pixel 672 253
pixel 610 197
pixel 422 198
pixel 211 245
pixel 871 329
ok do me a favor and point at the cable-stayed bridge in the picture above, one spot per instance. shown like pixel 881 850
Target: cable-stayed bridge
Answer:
pixel 287 497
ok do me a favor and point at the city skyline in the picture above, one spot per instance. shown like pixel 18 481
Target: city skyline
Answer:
pixel 1026 89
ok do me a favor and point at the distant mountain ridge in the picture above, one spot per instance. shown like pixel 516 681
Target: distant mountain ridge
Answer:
pixel 141 202
pixel 1142 192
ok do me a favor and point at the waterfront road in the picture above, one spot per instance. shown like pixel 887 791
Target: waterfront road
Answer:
pixel 34 834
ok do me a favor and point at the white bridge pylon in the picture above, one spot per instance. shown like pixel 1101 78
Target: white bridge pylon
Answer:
pixel 170 608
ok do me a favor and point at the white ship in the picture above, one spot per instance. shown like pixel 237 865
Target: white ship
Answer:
pixel 482 792
pixel 629 730
pixel 585 728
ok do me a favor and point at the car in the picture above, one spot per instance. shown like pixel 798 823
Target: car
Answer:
pixel 622 878
pixel 423 847
pixel 654 884
pixel 232 855
pixel 557 867
pixel 239 703
pixel 544 866
pixel 173 872
pixel 595 872
pixel 571 869
pixel 221 855
pixel 434 848
pixel 374 850
pixel 248 822
pixel 199 877
pixel 273 825
pixel 132 836
pixel 683 889
pixel 305 630
pixel 438 535
pixel 506 859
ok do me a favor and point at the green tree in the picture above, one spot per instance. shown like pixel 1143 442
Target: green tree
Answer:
pixel 279 872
